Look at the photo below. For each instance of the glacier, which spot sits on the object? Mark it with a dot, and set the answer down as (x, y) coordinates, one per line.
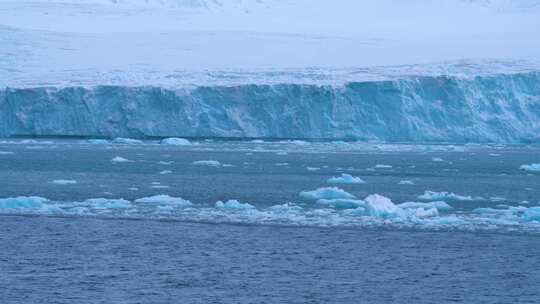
(502, 108)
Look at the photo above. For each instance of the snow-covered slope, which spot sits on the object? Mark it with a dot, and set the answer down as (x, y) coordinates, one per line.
(67, 41)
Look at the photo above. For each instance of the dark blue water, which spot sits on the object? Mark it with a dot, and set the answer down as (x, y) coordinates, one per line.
(140, 253)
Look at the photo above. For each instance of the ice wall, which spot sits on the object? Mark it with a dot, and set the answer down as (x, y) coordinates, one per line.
(499, 108)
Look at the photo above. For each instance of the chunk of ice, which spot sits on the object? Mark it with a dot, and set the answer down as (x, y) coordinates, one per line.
(326, 193)
(345, 179)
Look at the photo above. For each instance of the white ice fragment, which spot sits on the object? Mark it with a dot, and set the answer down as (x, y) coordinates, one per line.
(175, 141)
(211, 163)
(441, 196)
(165, 172)
(326, 193)
(119, 159)
(345, 179)
(165, 200)
(406, 182)
(22, 202)
(440, 205)
(64, 182)
(531, 167)
(126, 141)
(233, 204)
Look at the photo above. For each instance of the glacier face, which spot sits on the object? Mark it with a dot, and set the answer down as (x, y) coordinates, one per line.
(498, 108)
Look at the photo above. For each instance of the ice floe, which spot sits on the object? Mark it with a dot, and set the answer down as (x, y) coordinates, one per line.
(326, 193)
(119, 159)
(531, 167)
(175, 141)
(64, 182)
(126, 141)
(210, 163)
(233, 204)
(450, 196)
(165, 199)
(405, 182)
(345, 179)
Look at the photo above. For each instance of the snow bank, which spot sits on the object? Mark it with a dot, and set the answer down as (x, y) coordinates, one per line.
(326, 193)
(345, 179)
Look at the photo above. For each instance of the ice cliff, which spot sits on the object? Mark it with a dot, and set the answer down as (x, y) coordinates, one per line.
(497, 108)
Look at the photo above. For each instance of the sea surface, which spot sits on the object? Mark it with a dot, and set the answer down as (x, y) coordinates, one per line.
(262, 222)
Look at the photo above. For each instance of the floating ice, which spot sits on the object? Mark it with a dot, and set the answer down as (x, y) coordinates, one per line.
(106, 203)
(63, 182)
(440, 205)
(166, 163)
(341, 203)
(382, 166)
(441, 196)
(284, 208)
(165, 172)
(211, 163)
(405, 182)
(313, 168)
(326, 193)
(166, 200)
(531, 167)
(6, 152)
(23, 202)
(532, 214)
(437, 159)
(379, 206)
(97, 141)
(233, 204)
(426, 213)
(126, 141)
(345, 179)
(119, 159)
(175, 141)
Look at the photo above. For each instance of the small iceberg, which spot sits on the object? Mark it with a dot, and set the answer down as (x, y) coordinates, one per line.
(443, 196)
(531, 167)
(405, 182)
(106, 204)
(119, 159)
(439, 205)
(345, 179)
(532, 215)
(175, 141)
(378, 206)
(165, 200)
(233, 204)
(23, 202)
(326, 193)
(127, 141)
(341, 203)
(63, 182)
(211, 163)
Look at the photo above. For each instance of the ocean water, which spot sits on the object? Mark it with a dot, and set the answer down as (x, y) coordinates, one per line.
(82, 222)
